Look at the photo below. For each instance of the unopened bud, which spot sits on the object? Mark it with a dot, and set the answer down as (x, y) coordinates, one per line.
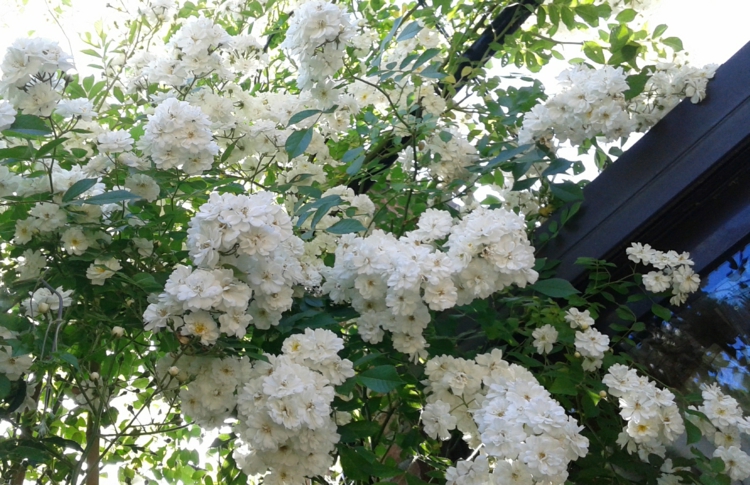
(94, 376)
(173, 371)
(577, 355)
(118, 332)
(602, 394)
(42, 307)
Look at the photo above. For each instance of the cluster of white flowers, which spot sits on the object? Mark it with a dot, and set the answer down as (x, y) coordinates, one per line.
(31, 77)
(252, 234)
(200, 48)
(726, 426)
(503, 408)
(653, 419)
(211, 394)
(674, 271)
(451, 155)
(81, 108)
(394, 282)
(317, 36)
(592, 103)
(284, 409)
(192, 52)
(668, 85)
(590, 342)
(178, 135)
(359, 207)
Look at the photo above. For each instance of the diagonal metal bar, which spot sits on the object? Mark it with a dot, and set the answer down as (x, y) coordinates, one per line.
(507, 22)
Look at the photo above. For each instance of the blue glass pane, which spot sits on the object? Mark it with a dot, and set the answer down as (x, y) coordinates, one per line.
(707, 340)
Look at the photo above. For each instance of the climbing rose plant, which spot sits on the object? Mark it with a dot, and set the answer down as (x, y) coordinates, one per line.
(255, 231)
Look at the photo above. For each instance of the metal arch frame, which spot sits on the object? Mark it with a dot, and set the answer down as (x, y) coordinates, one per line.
(685, 185)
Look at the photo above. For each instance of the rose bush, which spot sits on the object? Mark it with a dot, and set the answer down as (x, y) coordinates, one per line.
(254, 230)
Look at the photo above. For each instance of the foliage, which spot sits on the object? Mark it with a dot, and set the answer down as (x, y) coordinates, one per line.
(252, 205)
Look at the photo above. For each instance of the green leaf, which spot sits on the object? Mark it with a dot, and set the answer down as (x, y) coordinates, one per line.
(637, 83)
(34, 455)
(147, 282)
(70, 359)
(353, 465)
(660, 29)
(16, 153)
(594, 52)
(589, 14)
(360, 464)
(524, 184)
(507, 155)
(382, 379)
(708, 479)
(446, 136)
(322, 205)
(357, 430)
(298, 142)
(4, 386)
(354, 157)
(111, 197)
(409, 32)
(693, 432)
(63, 443)
(563, 385)
(28, 125)
(77, 189)
(661, 312)
(355, 166)
(302, 115)
(673, 42)
(568, 17)
(117, 92)
(567, 191)
(310, 191)
(225, 156)
(346, 226)
(557, 166)
(555, 288)
(432, 72)
(425, 57)
(717, 465)
(47, 148)
(619, 37)
(627, 15)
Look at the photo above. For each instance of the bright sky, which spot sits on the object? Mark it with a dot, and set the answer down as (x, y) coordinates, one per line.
(711, 30)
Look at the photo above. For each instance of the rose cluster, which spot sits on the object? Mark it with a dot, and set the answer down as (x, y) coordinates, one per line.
(284, 409)
(178, 135)
(593, 103)
(674, 271)
(394, 282)
(653, 419)
(253, 235)
(317, 36)
(522, 430)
